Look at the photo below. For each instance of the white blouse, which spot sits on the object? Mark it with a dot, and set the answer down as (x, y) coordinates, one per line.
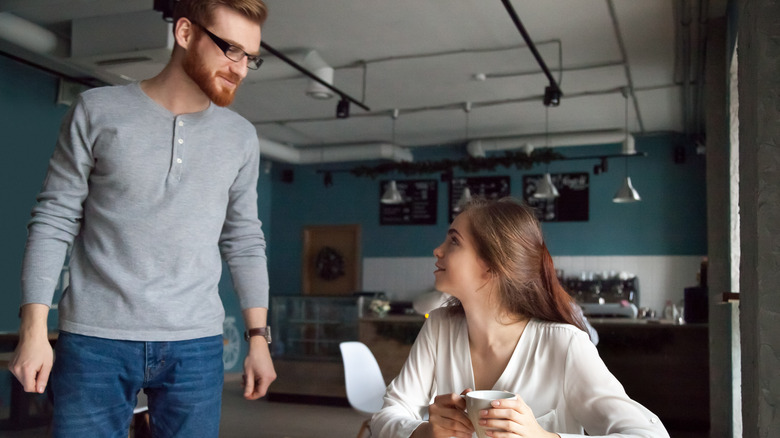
(555, 369)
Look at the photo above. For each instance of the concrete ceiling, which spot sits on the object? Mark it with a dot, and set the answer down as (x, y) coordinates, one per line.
(429, 60)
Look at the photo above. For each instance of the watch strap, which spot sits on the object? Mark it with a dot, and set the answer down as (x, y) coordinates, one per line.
(259, 331)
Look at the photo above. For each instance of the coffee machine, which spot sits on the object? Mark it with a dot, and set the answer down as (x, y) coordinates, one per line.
(606, 294)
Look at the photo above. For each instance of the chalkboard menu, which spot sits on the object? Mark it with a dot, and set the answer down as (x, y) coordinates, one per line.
(490, 187)
(419, 206)
(571, 205)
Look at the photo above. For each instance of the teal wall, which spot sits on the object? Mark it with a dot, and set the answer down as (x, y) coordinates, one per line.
(670, 220)
(29, 122)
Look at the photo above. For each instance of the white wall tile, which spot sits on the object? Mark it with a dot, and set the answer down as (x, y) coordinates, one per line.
(401, 278)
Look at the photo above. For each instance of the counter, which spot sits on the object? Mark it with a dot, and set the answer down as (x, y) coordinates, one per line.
(662, 365)
(390, 338)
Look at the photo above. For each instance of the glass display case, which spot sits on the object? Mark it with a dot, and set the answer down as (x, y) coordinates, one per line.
(311, 328)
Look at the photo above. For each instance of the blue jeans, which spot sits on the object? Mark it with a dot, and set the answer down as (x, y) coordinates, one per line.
(95, 382)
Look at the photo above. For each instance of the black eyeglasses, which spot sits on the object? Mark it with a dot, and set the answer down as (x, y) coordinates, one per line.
(233, 53)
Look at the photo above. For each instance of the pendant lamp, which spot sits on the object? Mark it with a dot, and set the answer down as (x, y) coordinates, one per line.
(626, 192)
(545, 189)
(392, 195)
(465, 198)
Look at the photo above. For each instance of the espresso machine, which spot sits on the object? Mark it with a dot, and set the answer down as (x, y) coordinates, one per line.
(606, 294)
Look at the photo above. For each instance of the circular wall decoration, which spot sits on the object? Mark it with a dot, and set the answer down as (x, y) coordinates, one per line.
(329, 264)
(231, 351)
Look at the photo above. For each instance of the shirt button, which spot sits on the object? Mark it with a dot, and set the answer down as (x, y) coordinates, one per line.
(181, 141)
(181, 123)
(653, 420)
(178, 160)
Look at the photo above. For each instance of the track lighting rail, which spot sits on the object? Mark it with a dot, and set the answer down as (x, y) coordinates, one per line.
(553, 93)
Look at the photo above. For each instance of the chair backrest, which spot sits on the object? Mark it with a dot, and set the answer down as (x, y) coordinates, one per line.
(363, 378)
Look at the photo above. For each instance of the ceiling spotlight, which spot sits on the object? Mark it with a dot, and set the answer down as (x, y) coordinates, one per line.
(342, 109)
(316, 90)
(601, 167)
(552, 96)
(480, 77)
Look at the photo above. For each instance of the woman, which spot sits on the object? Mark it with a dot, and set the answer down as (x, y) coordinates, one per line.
(511, 326)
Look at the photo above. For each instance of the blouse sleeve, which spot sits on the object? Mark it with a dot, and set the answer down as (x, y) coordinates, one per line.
(597, 399)
(409, 395)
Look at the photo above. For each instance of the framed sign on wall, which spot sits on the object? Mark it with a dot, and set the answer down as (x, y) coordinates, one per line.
(419, 206)
(572, 204)
(490, 187)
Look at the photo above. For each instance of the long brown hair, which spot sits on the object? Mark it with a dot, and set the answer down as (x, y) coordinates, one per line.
(508, 238)
(200, 11)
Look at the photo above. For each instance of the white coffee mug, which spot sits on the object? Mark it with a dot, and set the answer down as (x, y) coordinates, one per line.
(479, 400)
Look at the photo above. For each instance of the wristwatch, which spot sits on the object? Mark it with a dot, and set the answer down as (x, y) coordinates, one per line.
(260, 331)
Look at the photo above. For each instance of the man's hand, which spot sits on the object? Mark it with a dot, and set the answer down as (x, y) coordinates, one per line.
(34, 357)
(258, 369)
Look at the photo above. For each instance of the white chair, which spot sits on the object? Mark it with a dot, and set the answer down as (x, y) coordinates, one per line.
(364, 382)
(139, 426)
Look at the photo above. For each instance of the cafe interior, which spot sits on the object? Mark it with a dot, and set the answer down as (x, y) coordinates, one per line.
(644, 134)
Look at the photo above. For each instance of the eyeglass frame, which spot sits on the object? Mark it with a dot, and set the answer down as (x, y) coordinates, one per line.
(225, 47)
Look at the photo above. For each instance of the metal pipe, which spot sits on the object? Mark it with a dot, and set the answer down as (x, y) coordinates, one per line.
(627, 68)
(335, 154)
(568, 69)
(699, 74)
(581, 138)
(447, 106)
(685, 23)
(30, 36)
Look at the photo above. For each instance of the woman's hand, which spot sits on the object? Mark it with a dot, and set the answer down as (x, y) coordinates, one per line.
(512, 418)
(447, 418)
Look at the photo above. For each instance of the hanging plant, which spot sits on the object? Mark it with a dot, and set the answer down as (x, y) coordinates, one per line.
(519, 159)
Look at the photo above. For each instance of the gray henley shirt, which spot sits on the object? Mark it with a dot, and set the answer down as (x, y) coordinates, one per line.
(151, 202)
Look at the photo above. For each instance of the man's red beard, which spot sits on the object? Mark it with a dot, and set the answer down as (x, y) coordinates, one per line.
(209, 82)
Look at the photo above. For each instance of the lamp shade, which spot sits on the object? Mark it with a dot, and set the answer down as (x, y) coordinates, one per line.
(545, 189)
(465, 198)
(318, 91)
(626, 193)
(391, 195)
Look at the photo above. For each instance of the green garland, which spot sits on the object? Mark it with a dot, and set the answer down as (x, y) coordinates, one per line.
(520, 160)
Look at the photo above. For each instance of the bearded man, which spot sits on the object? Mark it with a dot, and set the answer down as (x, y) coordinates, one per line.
(151, 185)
